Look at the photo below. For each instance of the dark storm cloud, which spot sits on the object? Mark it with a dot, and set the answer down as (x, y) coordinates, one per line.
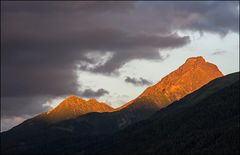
(66, 7)
(15, 110)
(138, 82)
(35, 81)
(20, 106)
(45, 65)
(42, 43)
(196, 16)
(209, 16)
(89, 93)
(9, 122)
(138, 46)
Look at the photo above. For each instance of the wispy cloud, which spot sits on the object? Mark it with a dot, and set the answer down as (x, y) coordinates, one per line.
(89, 93)
(219, 52)
(138, 82)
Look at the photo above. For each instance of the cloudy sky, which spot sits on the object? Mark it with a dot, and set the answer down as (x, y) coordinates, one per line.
(111, 51)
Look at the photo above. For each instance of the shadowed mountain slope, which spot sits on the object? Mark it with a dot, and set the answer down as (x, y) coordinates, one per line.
(204, 122)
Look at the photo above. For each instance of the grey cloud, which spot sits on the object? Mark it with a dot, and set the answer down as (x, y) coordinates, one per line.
(208, 16)
(89, 93)
(139, 46)
(32, 81)
(21, 106)
(45, 66)
(218, 52)
(194, 16)
(9, 122)
(66, 7)
(138, 82)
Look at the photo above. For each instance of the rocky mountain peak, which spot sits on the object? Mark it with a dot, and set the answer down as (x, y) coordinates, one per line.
(190, 76)
(74, 106)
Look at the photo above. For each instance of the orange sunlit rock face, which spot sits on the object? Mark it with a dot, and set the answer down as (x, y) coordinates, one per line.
(192, 75)
(74, 106)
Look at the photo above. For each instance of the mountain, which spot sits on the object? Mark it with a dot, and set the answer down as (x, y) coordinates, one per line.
(190, 76)
(204, 122)
(73, 107)
(30, 135)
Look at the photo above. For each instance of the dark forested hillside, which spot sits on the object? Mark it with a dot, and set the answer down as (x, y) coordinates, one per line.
(206, 121)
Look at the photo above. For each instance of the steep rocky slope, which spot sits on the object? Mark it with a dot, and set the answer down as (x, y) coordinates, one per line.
(73, 107)
(190, 76)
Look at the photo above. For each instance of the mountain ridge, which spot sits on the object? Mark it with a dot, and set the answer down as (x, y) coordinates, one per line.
(74, 106)
(195, 70)
(163, 88)
(172, 87)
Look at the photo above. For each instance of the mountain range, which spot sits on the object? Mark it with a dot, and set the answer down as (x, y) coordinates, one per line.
(194, 101)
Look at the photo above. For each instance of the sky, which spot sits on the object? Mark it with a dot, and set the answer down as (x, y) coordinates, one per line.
(111, 51)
